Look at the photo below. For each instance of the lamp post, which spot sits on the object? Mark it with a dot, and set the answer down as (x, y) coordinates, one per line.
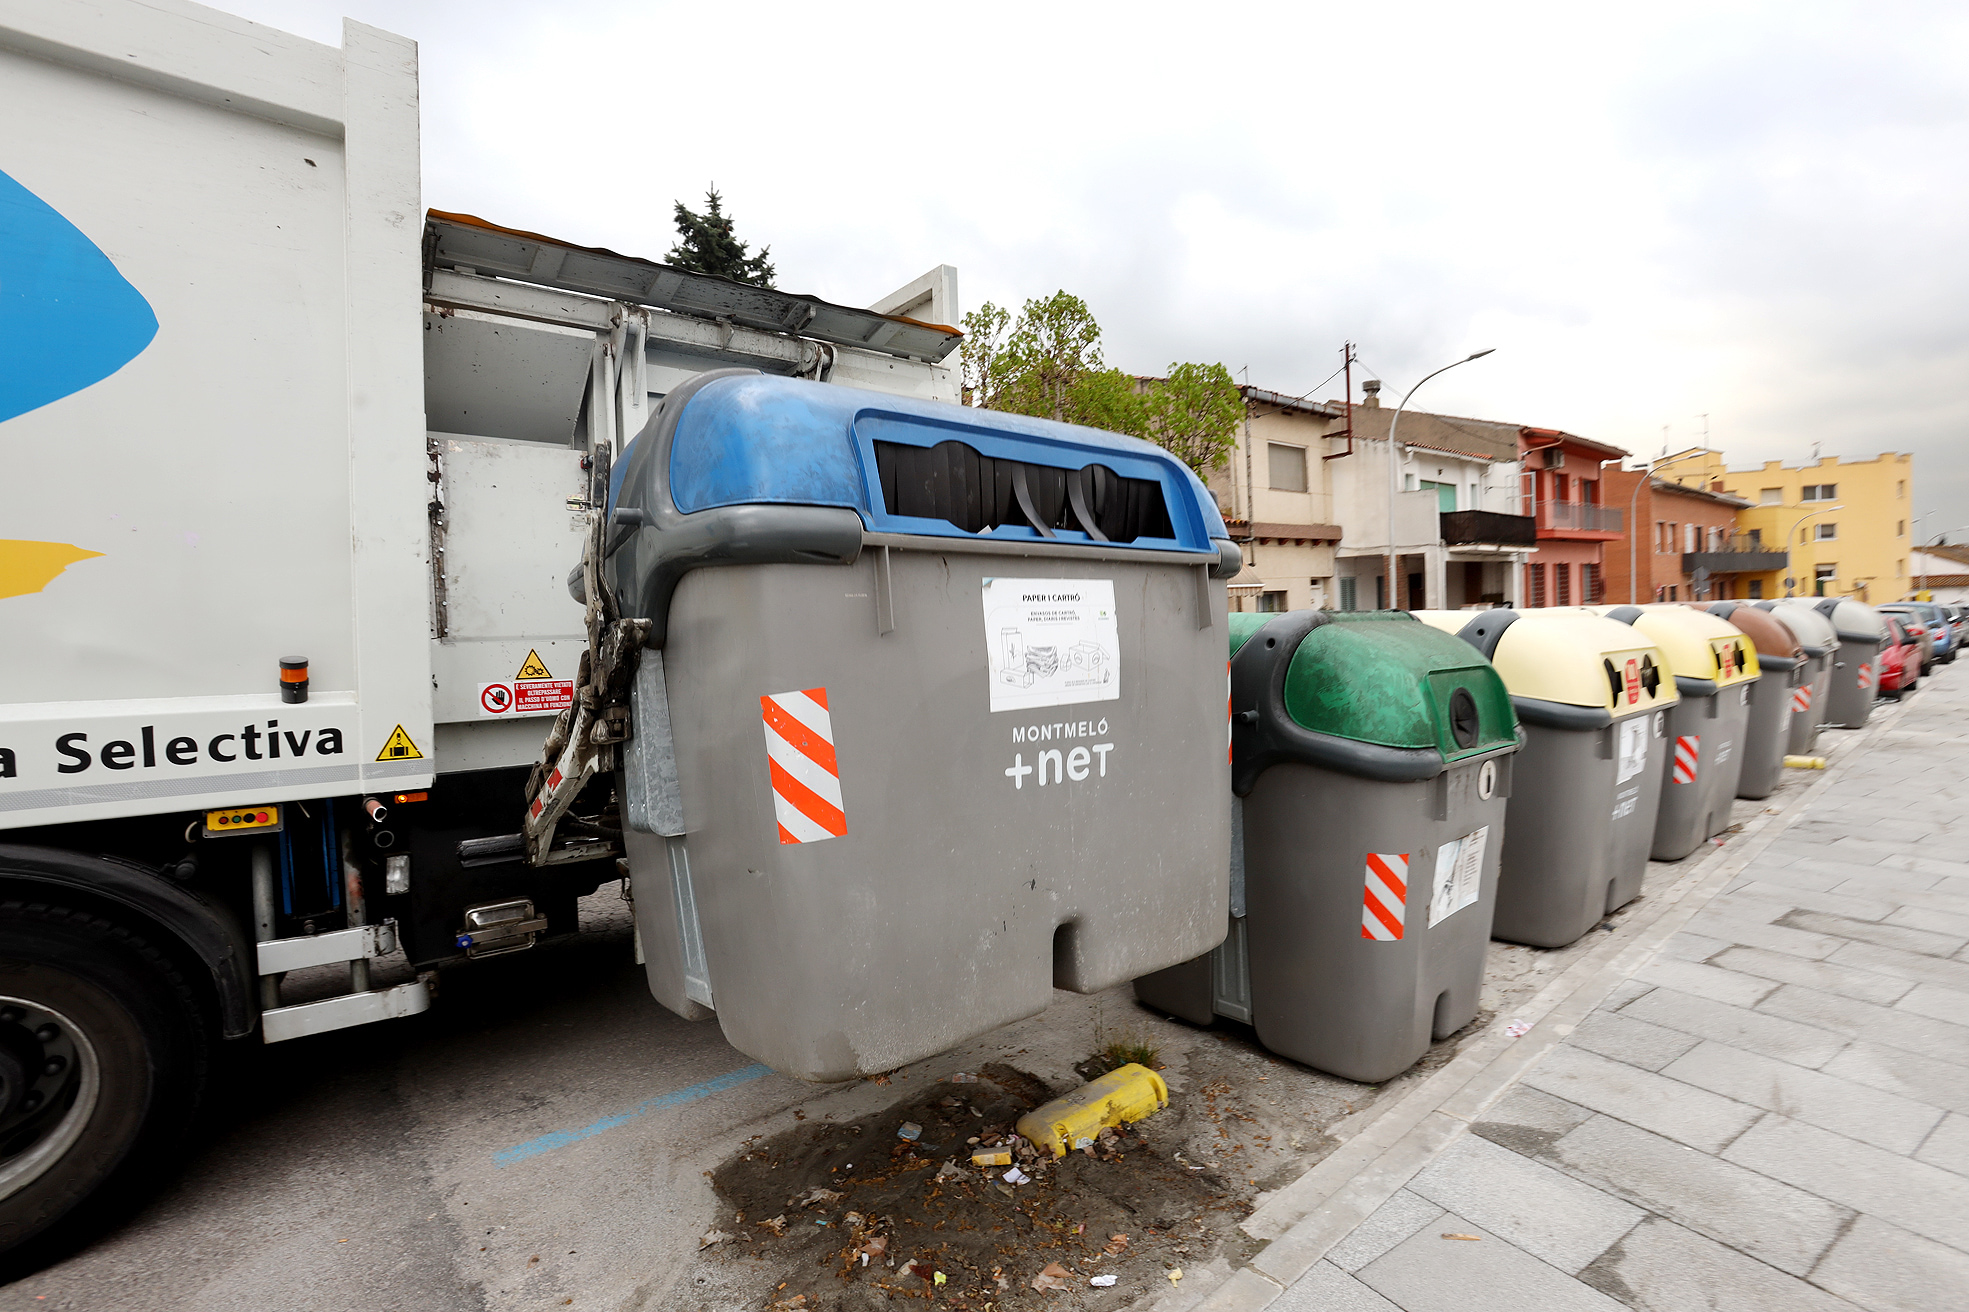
(1394, 468)
(1633, 533)
(1791, 576)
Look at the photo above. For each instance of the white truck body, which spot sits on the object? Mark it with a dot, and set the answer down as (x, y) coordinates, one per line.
(336, 444)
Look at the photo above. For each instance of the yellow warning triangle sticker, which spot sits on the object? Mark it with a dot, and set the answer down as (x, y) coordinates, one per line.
(533, 667)
(399, 748)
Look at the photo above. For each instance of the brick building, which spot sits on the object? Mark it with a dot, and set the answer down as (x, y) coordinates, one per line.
(1683, 545)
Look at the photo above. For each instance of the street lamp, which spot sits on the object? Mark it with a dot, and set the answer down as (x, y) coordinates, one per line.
(1394, 468)
(1633, 532)
(1791, 575)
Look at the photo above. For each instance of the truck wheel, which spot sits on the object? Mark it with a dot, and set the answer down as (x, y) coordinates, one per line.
(103, 1054)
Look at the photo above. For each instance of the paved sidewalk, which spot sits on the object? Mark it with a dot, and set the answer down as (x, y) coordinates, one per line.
(1772, 1113)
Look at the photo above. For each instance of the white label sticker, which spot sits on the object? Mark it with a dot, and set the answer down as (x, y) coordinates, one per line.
(1459, 875)
(1051, 642)
(1633, 756)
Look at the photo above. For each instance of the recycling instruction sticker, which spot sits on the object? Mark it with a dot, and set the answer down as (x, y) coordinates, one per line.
(1051, 642)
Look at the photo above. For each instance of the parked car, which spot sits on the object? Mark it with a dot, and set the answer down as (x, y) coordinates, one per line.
(1900, 661)
(1932, 618)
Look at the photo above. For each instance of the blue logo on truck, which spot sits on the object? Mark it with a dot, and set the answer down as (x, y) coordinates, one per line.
(68, 319)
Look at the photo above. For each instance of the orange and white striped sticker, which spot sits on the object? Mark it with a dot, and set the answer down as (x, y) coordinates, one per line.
(1801, 699)
(1866, 676)
(1688, 750)
(1384, 903)
(800, 756)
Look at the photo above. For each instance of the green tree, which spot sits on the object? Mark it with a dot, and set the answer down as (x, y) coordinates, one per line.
(1194, 414)
(1047, 362)
(706, 244)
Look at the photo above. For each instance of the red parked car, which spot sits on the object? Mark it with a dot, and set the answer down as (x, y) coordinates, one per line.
(1900, 661)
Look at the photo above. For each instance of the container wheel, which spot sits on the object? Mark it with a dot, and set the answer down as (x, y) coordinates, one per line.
(103, 1056)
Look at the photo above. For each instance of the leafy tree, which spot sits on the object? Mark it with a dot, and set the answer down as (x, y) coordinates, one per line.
(1047, 363)
(1194, 414)
(706, 244)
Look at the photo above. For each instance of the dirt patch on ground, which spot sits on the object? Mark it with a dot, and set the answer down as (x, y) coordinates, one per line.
(838, 1217)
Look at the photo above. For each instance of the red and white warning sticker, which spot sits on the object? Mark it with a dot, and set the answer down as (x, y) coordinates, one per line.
(1384, 902)
(1801, 699)
(806, 778)
(533, 691)
(1688, 752)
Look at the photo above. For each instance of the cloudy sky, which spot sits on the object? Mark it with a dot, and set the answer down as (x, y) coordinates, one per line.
(1757, 213)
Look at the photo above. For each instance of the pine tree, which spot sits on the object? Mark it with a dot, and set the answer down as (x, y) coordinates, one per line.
(706, 245)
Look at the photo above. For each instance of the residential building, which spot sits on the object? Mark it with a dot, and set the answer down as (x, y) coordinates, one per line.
(1844, 524)
(1563, 492)
(1683, 543)
(1459, 538)
(1276, 497)
(1939, 573)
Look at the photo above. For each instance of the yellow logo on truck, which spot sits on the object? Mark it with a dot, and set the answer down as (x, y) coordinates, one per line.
(27, 567)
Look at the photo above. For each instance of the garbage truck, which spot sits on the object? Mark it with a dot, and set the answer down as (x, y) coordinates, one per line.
(296, 474)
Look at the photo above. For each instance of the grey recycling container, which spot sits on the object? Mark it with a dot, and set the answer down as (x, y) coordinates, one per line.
(1703, 734)
(1856, 665)
(1371, 763)
(1586, 787)
(1781, 670)
(1817, 643)
(931, 721)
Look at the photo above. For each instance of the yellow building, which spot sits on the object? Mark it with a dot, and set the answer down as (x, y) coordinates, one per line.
(1844, 523)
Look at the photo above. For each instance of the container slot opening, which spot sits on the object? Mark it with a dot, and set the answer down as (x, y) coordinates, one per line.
(951, 481)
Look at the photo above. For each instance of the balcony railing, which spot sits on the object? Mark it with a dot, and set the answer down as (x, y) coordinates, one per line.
(1579, 515)
(1739, 557)
(1487, 527)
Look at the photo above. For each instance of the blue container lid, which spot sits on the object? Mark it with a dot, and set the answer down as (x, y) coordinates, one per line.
(758, 439)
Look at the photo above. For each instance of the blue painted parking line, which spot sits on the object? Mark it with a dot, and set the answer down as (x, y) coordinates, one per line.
(663, 1101)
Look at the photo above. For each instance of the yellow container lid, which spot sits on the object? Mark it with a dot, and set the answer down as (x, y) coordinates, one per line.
(1698, 645)
(1569, 656)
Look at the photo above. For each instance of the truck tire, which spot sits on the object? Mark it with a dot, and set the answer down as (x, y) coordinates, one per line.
(103, 1056)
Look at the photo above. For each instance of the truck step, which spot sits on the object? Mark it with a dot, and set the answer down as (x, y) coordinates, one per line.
(357, 943)
(306, 1018)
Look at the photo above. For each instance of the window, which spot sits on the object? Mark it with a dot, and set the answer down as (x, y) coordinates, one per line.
(1689, 539)
(1562, 584)
(1661, 536)
(1900, 489)
(1271, 603)
(1671, 592)
(1288, 467)
(1445, 494)
(1592, 589)
(1537, 575)
(1756, 589)
(1900, 528)
(1589, 491)
(1771, 496)
(1823, 575)
(1559, 487)
(1756, 537)
(1349, 592)
(1820, 492)
(1826, 532)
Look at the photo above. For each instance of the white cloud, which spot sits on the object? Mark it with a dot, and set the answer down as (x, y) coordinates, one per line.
(1751, 211)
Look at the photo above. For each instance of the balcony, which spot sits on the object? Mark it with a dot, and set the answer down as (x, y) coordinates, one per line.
(1488, 528)
(1578, 517)
(1735, 558)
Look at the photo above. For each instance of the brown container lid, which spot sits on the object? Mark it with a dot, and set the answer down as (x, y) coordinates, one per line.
(1771, 637)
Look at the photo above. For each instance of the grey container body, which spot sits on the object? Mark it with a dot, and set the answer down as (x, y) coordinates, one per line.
(1855, 682)
(1802, 734)
(1323, 994)
(1767, 729)
(979, 870)
(1317, 990)
(1698, 810)
(1579, 828)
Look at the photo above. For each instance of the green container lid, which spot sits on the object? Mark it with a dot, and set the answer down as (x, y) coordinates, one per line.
(1244, 623)
(1381, 677)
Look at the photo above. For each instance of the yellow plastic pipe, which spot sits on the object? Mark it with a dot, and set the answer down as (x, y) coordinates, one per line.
(1126, 1093)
